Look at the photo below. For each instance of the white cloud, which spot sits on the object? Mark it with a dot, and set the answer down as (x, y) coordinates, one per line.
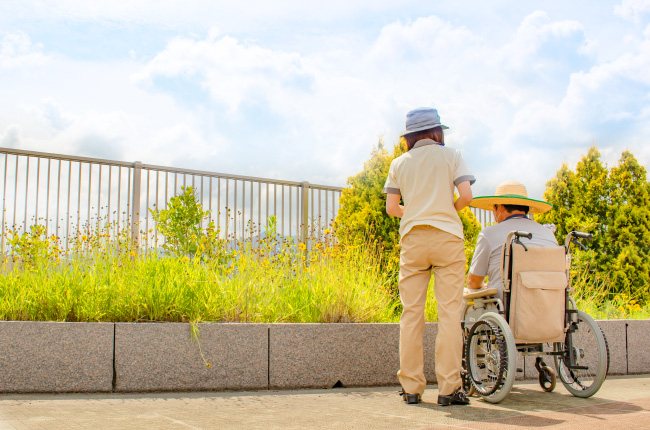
(230, 71)
(518, 106)
(231, 15)
(11, 138)
(632, 9)
(17, 50)
(424, 39)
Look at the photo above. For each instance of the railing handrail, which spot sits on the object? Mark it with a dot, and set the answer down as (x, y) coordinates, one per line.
(108, 162)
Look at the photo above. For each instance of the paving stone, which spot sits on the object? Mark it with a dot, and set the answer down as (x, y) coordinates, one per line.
(324, 355)
(638, 347)
(165, 357)
(55, 357)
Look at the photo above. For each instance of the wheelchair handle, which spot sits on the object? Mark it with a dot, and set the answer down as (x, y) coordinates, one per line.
(573, 237)
(581, 235)
(521, 233)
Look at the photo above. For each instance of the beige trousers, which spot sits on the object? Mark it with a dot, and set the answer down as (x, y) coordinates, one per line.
(424, 249)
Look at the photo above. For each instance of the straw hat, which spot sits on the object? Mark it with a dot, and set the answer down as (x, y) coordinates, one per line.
(511, 193)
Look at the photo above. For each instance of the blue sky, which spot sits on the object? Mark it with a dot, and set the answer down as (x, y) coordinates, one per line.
(291, 90)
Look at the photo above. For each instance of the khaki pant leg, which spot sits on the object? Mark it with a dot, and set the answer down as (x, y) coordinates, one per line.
(449, 273)
(414, 276)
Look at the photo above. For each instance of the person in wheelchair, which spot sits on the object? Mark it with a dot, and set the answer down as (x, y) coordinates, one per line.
(527, 306)
(510, 206)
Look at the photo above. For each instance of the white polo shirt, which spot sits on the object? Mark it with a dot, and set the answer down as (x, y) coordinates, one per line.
(487, 254)
(426, 176)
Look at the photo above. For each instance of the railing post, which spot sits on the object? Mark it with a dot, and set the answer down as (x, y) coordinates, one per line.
(304, 211)
(135, 202)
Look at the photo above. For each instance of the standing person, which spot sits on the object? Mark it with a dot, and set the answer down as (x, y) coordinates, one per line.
(431, 239)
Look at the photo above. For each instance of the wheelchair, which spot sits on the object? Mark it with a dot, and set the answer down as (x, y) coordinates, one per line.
(537, 317)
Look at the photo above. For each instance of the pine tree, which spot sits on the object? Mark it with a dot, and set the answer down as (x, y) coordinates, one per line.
(626, 249)
(613, 206)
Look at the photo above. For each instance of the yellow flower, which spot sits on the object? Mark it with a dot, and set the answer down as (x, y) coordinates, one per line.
(617, 297)
(84, 238)
(186, 258)
(208, 364)
(302, 246)
(133, 254)
(327, 231)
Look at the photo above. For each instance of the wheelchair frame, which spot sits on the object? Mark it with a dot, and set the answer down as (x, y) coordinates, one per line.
(490, 351)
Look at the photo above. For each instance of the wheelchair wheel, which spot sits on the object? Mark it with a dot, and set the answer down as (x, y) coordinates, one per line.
(490, 356)
(588, 347)
(547, 379)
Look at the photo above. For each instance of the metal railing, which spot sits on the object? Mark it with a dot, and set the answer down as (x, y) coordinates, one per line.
(483, 217)
(66, 193)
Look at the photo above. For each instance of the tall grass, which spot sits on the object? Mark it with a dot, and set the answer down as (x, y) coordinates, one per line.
(106, 279)
(103, 277)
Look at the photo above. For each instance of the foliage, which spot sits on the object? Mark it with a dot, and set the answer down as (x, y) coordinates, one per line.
(613, 205)
(276, 282)
(363, 206)
(181, 225)
(34, 247)
(181, 222)
(363, 203)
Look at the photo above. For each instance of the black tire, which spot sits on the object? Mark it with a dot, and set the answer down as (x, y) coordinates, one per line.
(490, 356)
(547, 379)
(591, 351)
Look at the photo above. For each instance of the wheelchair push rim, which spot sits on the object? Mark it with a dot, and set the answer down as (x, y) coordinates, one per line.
(584, 377)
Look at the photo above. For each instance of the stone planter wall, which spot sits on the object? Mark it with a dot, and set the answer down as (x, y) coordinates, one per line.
(131, 357)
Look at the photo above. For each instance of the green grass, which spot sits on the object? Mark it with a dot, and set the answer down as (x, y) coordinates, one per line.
(105, 279)
(342, 285)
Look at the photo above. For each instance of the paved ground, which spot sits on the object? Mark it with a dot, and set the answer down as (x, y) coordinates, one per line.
(622, 403)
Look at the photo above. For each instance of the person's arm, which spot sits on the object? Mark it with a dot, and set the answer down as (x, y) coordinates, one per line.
(464, 195)
(393, 208)
(475, 282)
(480, 263)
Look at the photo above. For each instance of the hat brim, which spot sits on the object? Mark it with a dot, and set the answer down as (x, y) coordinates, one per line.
(426, 127)
(488, 202)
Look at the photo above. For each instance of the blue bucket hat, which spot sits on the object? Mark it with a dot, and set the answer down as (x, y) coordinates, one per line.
(422, 119)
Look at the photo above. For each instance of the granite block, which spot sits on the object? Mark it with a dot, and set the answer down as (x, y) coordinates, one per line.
(56, 357)
(615, 334)
(165, 357)
(638, 347)
(328, 355)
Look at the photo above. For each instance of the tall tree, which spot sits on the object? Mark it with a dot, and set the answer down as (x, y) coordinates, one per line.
(627, 245)
(613, 206)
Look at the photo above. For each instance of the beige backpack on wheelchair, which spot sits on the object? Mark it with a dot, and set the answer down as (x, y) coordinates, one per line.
(538, 282)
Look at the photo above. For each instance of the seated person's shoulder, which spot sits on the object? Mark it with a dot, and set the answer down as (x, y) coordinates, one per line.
(544, 233)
